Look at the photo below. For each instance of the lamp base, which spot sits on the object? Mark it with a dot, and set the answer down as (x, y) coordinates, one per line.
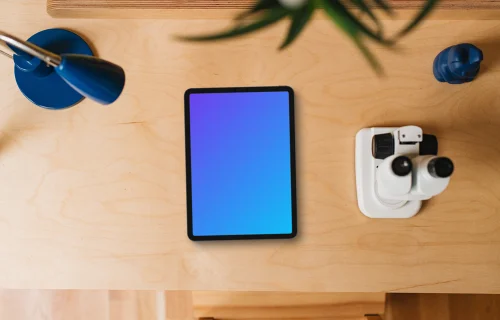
(43, 86)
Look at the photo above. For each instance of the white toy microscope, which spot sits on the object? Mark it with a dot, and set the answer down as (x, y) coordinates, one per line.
(397, 168)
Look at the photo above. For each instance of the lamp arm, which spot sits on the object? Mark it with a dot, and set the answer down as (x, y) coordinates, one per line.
(48, 57)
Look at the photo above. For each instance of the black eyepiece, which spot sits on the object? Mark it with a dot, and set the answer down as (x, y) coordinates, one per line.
(440, 167)
(382, 145)
(401, 166)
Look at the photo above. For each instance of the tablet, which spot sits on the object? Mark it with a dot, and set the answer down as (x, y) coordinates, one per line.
(240, 163)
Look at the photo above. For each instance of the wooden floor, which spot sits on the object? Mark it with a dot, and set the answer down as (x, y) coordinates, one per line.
(443, 307)
(77, 305)
(150, 305)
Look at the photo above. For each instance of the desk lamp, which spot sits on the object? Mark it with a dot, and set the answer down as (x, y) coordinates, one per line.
(56, 69)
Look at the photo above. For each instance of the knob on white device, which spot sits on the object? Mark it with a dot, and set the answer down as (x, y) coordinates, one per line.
(397, 168)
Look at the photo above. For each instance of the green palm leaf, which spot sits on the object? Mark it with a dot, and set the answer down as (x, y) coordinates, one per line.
(351, 29)
(300, 18)
(429, 5)
(268, 12)
(385, 6)
(260, 6)
(337, 6)
(366, 9)
(270, 17)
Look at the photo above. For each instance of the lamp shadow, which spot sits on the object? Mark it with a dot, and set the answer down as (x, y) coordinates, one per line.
(6, 139)
(86, 39)
(11, 132)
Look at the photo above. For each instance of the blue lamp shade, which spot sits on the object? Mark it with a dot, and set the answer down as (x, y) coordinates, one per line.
(94, 78)
(56, 69)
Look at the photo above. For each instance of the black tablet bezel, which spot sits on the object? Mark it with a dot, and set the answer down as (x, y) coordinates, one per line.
(188, 162)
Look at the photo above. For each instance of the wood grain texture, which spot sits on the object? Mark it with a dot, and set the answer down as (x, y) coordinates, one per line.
(131, 305)
(281, 305)
(479, 9)
(77, 305)
(179, 305)
(442, 307)
(184, 305)
(246, 4)
(93, 197)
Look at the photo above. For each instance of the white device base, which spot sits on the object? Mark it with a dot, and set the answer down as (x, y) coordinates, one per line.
(366, 165)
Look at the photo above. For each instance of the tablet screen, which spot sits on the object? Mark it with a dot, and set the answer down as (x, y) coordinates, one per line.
(240, 159)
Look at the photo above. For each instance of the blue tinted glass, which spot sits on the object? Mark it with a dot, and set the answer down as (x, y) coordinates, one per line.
(241, 180)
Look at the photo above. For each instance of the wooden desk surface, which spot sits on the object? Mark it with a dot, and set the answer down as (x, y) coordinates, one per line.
(94, 197)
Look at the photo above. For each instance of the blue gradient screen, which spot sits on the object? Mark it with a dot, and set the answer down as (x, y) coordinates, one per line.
(241, 175)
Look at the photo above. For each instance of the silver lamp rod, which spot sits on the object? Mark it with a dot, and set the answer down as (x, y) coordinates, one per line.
(48, 57)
